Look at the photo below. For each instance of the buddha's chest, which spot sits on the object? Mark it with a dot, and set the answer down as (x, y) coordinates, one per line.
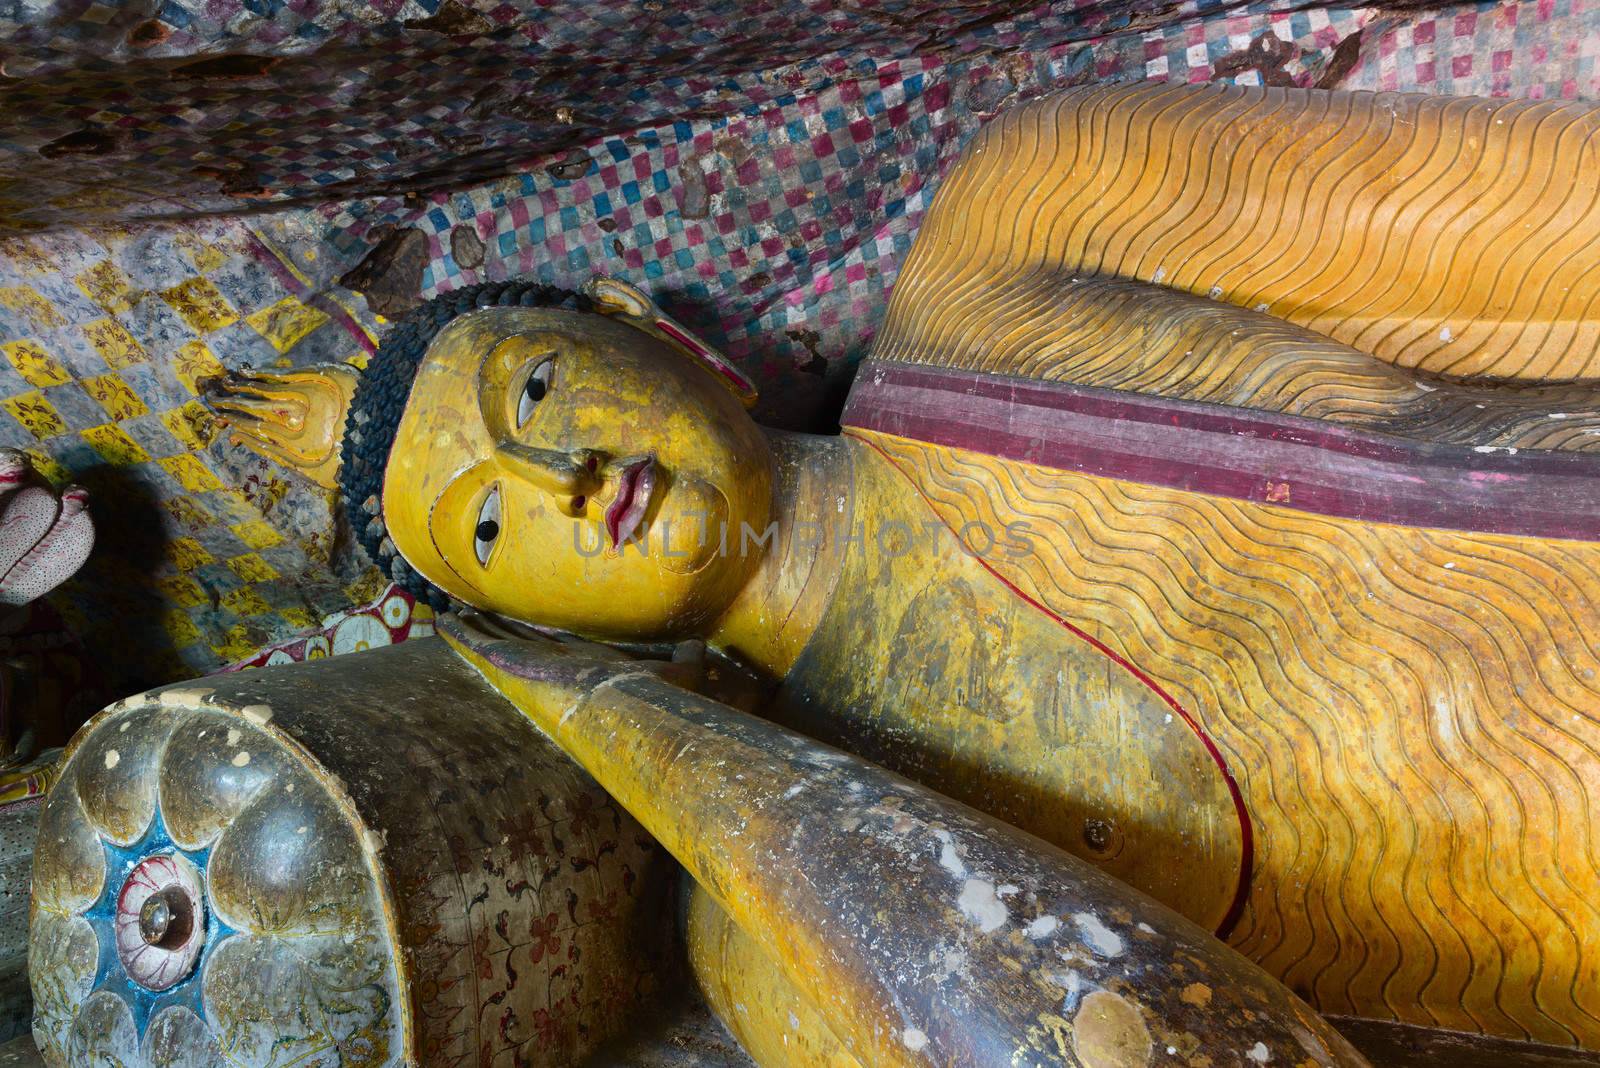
(928, 662)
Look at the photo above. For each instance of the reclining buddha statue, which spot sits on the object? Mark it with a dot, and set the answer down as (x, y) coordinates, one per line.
(1215, 507)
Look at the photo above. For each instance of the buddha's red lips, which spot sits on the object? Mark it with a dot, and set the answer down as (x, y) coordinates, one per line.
(634, 490)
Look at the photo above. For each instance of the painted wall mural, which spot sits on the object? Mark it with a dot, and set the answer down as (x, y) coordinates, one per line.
(1339, 604)
(766, 199)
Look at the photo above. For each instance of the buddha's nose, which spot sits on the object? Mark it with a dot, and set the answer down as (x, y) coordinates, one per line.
(565, 473)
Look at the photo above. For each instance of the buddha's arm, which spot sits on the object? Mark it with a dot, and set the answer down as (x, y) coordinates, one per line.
(1114, 333)
(924, 932)
(1454, 235)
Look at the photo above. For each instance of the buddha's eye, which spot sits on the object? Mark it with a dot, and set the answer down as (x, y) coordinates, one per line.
(487, 528)
(533, 391)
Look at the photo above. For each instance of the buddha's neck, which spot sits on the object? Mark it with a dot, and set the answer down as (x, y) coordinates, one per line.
(771, 620)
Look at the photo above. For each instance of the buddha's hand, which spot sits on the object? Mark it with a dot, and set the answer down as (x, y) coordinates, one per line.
(44, 536)
(293, 417)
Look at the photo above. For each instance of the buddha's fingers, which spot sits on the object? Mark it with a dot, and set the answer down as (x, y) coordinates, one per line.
(269, 438)
(278, 452)
(295, 419)
(257, 435)
(290, 390)
(302, 383)
(287, 417)
(285, 388)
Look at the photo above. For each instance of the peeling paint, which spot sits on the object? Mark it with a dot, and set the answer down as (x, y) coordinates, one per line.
(1097, 936)
(260, 715)
(949, 859)
(1043, 927)
(979, 903)
(184, 696)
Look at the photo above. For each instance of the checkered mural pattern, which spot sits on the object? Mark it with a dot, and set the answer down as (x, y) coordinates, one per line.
(1539, 50)
(223, 105)
(116, 111)
(203, 553)
(778, 233)
(770, 209)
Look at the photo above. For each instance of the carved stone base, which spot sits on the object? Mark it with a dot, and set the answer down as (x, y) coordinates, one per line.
(372, 857)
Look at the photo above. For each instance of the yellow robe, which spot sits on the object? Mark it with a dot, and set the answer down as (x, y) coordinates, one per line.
(1405, 692)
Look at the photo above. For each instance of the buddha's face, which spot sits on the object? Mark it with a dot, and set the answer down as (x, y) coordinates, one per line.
(567, 470)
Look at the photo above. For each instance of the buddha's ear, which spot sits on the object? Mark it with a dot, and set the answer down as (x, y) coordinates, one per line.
(623, 301)
(295, 418)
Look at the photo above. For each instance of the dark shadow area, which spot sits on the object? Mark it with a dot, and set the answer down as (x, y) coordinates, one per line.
(113, 603)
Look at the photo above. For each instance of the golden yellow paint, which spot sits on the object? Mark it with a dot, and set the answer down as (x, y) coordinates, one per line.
(20, 300)
(20, 783)
(1111, 333)
(116, 446)
(201, 304)
(1108, 1032)
(286, 322)
(714, 788)
(34, 364)
(727, 852)
(115, 396)
(182, 590)
(367, 587)
(192, 425)
(180, 628)
(115, 345)
(473, 449)
(36, 414)
(298, 618)
(192, 475)
(923, 661)
(239, 642)
(1453, 235)
(252, 568)
(108, 287)
(205, 258)
(188, 512)
(257, 534)
(1009, 710)
(187, 554)
(192, 362)
(773, 1022)
(245, 601)
(1411, 714)
(47, 466)
(305, 407)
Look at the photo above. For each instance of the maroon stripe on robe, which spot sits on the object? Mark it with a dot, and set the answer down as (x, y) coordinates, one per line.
(1290, 461)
